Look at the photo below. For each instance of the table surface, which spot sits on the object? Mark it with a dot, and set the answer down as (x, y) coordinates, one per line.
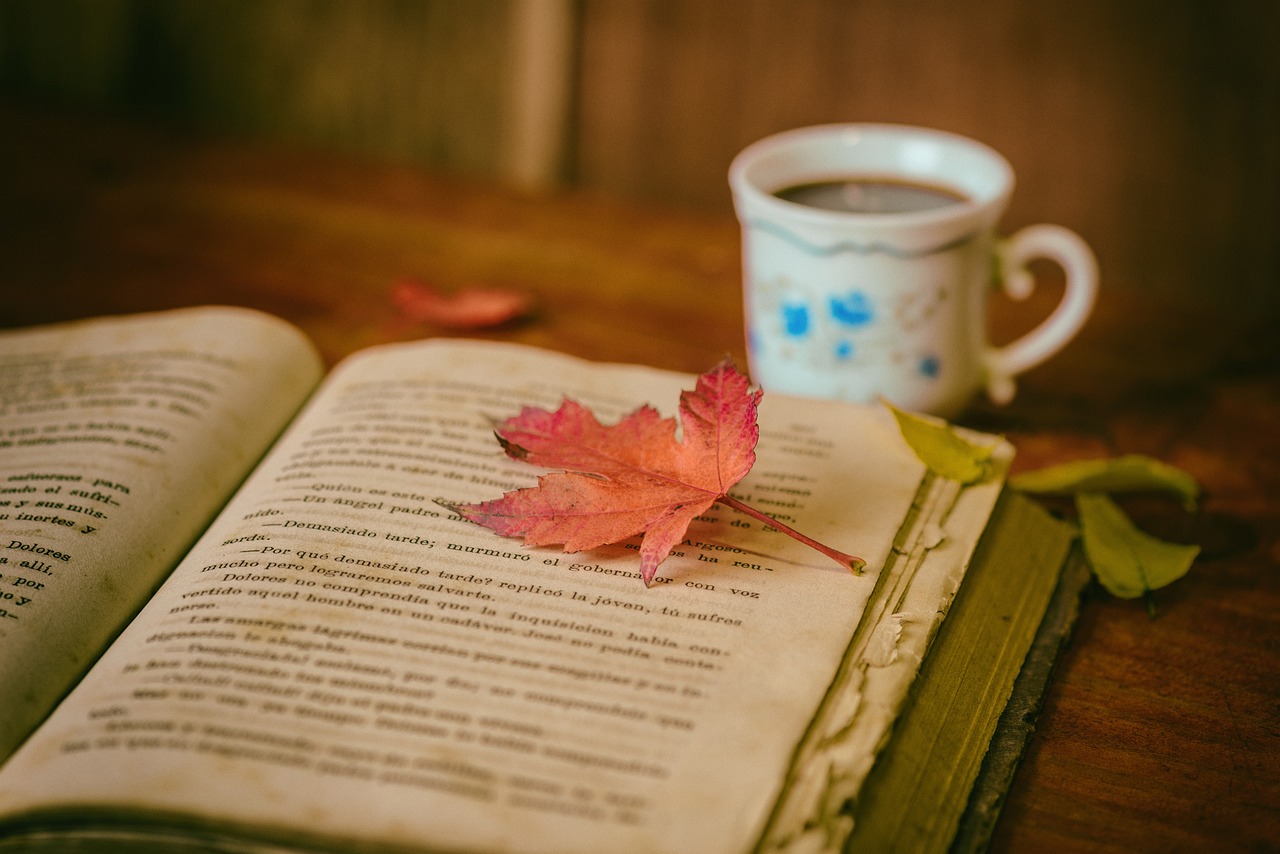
(1158, 734)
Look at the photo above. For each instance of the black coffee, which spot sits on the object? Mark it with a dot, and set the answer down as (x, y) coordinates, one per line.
(871, 195)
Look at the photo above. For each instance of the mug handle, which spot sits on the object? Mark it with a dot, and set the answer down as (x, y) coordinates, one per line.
(1069, 251)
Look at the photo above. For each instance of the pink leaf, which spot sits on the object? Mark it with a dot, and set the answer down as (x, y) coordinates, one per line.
(469, 308)
(628, 478)
(636, 476)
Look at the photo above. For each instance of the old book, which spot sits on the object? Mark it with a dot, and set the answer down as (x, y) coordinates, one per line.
(236, 615)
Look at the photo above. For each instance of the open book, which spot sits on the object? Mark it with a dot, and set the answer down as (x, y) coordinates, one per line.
(234, 613)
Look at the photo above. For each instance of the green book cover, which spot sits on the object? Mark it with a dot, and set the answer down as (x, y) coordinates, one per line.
(941, 781)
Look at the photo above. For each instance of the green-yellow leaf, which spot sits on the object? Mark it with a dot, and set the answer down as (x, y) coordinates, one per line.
(942, 449)
(1127, 561)
(1131, 473)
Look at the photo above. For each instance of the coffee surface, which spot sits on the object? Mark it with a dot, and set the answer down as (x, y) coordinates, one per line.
(871, 195)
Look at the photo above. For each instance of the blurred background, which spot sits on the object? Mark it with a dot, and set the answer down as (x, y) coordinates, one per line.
(1152, 127)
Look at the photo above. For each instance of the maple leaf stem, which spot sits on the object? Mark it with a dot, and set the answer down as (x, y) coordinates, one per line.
(846, 560)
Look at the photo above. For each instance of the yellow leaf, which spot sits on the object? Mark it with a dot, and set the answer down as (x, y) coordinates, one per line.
(942, 449)
(1127, 561)
(1131, 473)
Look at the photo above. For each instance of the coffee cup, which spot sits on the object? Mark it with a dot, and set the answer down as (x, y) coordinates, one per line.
(869, 251)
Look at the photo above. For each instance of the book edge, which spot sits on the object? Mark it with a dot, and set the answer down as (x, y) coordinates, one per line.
(1021, 714)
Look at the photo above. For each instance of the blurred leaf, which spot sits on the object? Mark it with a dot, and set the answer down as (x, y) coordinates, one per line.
(470, 308)
(942, 449)
(1128, 562)
(1131, 473)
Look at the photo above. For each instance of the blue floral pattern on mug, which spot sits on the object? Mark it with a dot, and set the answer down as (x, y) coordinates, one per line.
(853, 309)
(795, 319)
(850, 327)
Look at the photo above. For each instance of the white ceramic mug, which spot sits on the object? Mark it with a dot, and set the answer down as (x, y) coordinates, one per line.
(857, 305)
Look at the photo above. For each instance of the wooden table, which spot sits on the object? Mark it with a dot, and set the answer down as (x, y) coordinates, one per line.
(1158, 734)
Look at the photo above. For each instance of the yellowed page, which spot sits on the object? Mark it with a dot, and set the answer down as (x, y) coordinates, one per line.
(119, 440)
(341, 657)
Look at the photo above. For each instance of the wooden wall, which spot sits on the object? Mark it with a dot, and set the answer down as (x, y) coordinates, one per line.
(417, 80)
(1150, 126)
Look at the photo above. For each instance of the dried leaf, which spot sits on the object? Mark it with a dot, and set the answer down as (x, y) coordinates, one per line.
(1131, 473)
(627, 478)
(1128, 562)
(469, 308)
(942, 449)
(634, 476)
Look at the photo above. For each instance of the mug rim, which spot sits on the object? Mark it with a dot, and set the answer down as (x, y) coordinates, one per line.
(746, 186)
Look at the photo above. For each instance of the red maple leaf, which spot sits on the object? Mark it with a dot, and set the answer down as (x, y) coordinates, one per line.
(632, 477)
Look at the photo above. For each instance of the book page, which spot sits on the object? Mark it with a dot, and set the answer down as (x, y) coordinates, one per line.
(342, 657)
(119, 440)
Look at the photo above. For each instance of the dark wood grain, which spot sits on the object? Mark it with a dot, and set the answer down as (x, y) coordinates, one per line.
(1158, 734)
(1149, 126)
(424, 81)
